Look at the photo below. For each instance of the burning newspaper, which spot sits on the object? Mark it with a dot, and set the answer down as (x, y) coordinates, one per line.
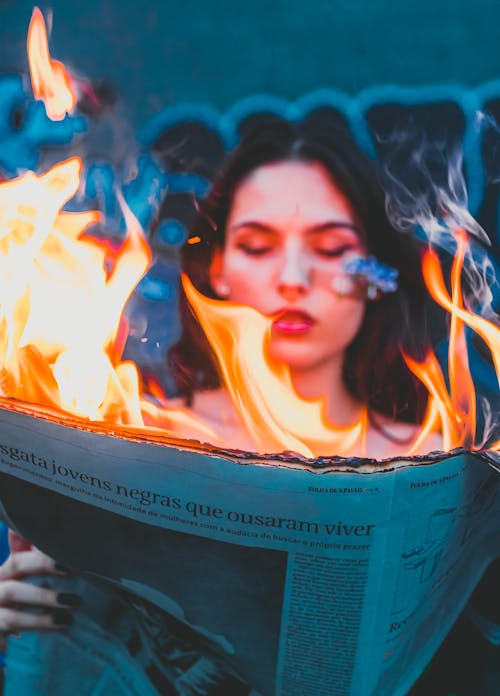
(271, 566)
(293, 577)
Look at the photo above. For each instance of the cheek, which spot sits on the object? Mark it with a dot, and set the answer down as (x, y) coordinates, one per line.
(343, 319)
(357, 316)
(249, 282)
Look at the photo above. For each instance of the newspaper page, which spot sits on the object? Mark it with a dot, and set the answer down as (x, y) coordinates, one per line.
(301, 580)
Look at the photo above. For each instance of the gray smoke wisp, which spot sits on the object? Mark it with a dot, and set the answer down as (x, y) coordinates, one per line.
(432, 202)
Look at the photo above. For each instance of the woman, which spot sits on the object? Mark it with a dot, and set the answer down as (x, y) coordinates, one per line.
(295, 204)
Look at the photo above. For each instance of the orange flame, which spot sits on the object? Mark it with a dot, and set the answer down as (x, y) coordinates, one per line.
(61, 334)
(454, 410)
(57, 296)
(261, 389)
(489, 332)
(49, 78)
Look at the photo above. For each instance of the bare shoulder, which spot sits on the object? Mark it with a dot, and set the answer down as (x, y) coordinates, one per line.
(176, 402)
(211, 406)
(214, 405)
(203, 403)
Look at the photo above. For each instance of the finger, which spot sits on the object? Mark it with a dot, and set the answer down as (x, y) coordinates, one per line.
(12, 621)
(23, 563)
(15, 592)
(17, 542)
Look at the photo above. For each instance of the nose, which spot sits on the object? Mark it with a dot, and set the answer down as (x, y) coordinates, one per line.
(293, 280)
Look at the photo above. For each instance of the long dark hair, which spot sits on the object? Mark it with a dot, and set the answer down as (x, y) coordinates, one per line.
(374, 370)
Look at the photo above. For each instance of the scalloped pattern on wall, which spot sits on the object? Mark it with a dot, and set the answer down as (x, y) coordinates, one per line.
(191, 139)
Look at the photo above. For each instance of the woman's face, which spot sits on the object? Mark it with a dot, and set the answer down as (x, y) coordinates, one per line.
(288, 232)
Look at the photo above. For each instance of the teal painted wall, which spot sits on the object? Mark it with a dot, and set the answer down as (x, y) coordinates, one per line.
(218, 51)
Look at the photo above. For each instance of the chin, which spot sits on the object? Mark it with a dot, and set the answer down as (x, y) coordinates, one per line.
(298, 356)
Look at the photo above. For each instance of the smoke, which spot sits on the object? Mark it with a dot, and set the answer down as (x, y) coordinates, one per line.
(421, 200)
(489, 425)
(490, 131)
(426, 194)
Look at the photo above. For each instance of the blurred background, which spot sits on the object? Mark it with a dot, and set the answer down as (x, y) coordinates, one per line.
(160, 53)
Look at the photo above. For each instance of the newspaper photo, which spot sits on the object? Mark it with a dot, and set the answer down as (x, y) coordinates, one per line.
(297, 578)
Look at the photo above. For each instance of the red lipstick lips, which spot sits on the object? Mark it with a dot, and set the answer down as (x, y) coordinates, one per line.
(293, 322)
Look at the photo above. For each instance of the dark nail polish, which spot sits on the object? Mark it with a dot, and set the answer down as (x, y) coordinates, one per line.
(62, 568)
(61, 617)
(68, 598)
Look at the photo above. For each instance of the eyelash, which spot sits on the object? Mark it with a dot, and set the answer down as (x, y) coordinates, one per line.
(328, 253)
(334, 253)
(254, 251)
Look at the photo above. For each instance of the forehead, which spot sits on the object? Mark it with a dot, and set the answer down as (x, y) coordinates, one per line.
(290, 190)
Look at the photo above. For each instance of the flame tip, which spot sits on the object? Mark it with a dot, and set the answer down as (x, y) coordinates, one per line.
(50, 80)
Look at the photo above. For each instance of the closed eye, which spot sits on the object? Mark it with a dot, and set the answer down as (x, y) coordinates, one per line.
(254, 250)
(334, 252)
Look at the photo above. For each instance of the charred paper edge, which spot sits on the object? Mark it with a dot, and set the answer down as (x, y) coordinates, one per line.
(292, 460)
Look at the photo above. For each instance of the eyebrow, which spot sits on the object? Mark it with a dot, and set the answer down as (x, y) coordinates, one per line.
(313, 229)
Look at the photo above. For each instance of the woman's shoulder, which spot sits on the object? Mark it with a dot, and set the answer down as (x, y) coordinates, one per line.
(212, 405)
(213, 409)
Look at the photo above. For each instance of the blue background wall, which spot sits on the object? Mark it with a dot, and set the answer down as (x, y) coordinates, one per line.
(218, 51)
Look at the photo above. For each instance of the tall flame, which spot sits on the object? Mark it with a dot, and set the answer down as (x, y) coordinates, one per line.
(453, 410)
(261, 389)
(59, 309)
(49, 78)
(61, 333)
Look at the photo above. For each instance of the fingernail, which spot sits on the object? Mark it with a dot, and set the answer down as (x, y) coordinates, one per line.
(61, 617)
(62, 568)
(68, 598)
